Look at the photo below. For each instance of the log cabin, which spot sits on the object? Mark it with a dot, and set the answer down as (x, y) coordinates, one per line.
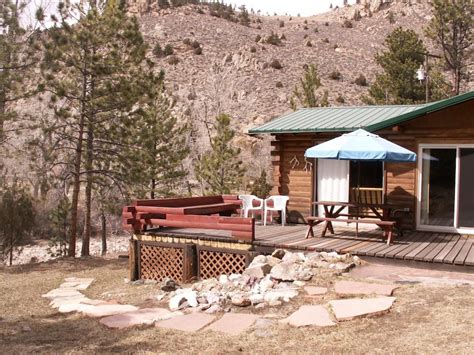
(435, 194)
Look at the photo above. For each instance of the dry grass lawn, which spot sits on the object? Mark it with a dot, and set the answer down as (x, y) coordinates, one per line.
(423, 320)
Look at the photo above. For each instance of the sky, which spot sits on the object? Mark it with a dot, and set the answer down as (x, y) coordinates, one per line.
(291, 7)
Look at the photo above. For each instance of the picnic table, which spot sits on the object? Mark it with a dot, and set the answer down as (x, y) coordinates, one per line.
(381, 214)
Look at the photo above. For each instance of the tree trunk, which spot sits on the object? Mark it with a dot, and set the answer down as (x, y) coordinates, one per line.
(2, 114)
(11, 250)
(88, 165)
(457, 81)
(152, 192)
(103, 232)
(77, 169)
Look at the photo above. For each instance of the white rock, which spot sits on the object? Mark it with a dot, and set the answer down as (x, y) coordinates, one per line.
(214, 309)
(176, 301)
(240, 300)
(258, 270)
(290, 257)
(266, 284)
(212, 297)
(234, 277)
(223, 279)
(277, 295)
(299, 283)
(272, 261)
(259, 259)
(289, 271)
(256, 298)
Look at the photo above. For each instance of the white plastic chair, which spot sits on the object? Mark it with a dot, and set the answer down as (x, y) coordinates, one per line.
(247, 205)
(279, 204)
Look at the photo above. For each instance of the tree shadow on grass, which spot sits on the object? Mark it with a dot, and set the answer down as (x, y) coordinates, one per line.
(67, 265)
(61, 334)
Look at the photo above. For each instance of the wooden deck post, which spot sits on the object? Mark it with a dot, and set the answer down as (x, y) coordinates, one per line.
(189, 263)
(133, 260)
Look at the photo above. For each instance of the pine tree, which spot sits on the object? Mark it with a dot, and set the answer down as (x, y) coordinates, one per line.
(261, 188)
(159, 148)
(306, 94)
(219, 169)
(244, 17)
(94, 72)
(18, 54)
(451, 30)
(397, 84)
(16, 216)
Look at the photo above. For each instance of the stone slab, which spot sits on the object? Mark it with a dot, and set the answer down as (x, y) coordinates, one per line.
(59, 301)
(187, 323)
(82, 305)
(74, 307)
(62, 292)
(355, 307)
(309, 315)
(315, 290)
(141, 316)
(106, 309)
(363, 288)
(233, 323)
(401, 273)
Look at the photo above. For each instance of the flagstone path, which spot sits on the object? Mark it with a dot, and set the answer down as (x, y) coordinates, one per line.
(69, 298)
(363, 288)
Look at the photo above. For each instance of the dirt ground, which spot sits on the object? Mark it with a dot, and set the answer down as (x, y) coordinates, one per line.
(424, 319)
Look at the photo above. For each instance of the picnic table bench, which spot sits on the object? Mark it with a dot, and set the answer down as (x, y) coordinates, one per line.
(334, 210)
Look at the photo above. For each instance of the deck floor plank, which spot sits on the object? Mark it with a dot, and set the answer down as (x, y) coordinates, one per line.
(449, 259)
(355, 247)
(397, 246)
(414, 245)
(437, 247)
(470, 257)
(440, 238)
(446, 249)
(463, 253)
(421, 246)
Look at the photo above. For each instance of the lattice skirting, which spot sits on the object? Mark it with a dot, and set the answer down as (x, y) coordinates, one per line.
(161, 260)
(213, 262)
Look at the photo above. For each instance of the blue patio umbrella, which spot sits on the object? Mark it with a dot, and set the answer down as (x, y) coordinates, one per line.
(360, 145)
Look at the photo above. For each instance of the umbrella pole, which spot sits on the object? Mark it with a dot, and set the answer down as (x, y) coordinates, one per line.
(358, 197)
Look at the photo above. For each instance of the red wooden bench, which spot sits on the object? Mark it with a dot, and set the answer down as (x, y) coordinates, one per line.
(206, 212)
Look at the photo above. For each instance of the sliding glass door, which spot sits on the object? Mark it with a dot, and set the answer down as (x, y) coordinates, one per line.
(466, 188)
(446, 194)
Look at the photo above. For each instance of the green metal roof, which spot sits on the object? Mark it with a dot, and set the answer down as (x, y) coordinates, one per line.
(349, 118)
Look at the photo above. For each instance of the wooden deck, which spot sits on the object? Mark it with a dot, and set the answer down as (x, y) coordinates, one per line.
(442, 248)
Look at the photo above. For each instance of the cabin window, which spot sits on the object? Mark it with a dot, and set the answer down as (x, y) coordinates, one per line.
(370, 180)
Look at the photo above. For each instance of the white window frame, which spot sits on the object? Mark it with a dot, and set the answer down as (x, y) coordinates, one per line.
(430, 228)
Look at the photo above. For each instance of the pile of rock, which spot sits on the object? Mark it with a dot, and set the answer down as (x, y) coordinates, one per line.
(268, 281)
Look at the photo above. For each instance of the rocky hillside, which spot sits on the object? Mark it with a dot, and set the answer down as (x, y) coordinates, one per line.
(235, 74)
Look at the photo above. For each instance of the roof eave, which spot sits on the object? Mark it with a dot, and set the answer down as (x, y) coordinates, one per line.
(421, 111)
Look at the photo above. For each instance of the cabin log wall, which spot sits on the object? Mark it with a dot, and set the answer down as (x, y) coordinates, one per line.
(451, 125)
